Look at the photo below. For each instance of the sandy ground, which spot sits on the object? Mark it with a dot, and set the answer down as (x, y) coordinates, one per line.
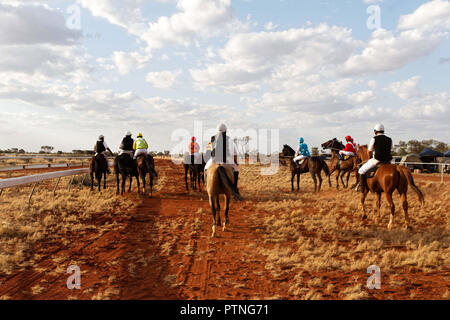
(162, 249)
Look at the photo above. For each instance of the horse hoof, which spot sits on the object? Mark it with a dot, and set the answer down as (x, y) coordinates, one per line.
(224, 228)
(364, 217)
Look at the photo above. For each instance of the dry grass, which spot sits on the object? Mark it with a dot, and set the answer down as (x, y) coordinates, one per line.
(50, 219)
(324, 232)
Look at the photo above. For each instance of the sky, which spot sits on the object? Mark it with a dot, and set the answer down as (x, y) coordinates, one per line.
(72, 70)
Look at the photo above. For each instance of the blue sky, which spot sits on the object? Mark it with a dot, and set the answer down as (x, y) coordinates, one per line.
(306, 68)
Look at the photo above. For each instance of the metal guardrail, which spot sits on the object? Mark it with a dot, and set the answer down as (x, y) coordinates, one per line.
(39, 166)
(34, 179)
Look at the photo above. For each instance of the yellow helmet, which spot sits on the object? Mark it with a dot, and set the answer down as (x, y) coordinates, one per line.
(139, 135)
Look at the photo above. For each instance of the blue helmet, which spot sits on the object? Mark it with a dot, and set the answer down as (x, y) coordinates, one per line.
(301, 140)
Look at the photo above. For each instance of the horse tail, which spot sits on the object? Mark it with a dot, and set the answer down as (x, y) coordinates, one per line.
(150, 166)
(416, 189)
(227, 183)
(324, 166)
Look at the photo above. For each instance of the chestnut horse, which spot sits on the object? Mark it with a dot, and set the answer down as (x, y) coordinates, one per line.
(146, 165)
(220, 180)
(344, 166)
(313, 165)
(387, 179)
(99, 166)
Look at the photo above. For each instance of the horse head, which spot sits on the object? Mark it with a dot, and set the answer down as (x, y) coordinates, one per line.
(288, 151)
(363, 153)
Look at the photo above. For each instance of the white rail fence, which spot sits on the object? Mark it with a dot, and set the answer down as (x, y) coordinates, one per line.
(39, 166)
(35, 179)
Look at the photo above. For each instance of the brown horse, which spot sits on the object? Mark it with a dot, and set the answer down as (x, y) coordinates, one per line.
(220, 180)
(342, 167)
(146, 165)
(313, 165)
(387, 179)
(196, 173)
(98, 166)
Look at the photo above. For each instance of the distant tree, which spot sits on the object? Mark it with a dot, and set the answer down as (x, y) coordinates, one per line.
(22, 151)
(60, 152)
(416, 146)
(243, 144)
(166, 153)
(47, 149)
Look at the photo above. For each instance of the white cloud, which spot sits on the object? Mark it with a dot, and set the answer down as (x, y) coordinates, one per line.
(406, 89)
(163, 79)
(128, 61)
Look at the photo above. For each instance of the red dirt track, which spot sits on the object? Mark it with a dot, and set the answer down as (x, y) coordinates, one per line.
(163, 250)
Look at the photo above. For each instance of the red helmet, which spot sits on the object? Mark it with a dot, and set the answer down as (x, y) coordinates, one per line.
(348, 138)
(193, 139)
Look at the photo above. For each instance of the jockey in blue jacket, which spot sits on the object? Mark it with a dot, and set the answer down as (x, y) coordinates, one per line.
(302, 151)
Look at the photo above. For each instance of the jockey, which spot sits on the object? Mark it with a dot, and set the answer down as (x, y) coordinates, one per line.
(224, 153)
(101, 147)
(350, 148)
(126, 146)
(381, 147)
(302, 151)
(194, 149)
(140, 146)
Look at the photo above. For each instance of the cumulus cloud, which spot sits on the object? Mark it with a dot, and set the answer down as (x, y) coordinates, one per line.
(163, 79)
(406, 89)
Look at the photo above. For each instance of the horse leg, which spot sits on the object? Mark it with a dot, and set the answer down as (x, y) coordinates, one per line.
(292, 180)
(405, 210)
(137, 182)
(379, 207)
(219, 222)
(392, 206)
(298, 181)
(143, 174)
(363, 200)
(117, 182)
(199, 177)
(348, 178)
(356, 179)
(131, 180)
(227, 208)
(99, 181)
(337, 179)
(342, 180)
(313, 175)
(213, 211)
(319, 175)
(124, 178)
(151, 185)
(329, 180)
(104, 180)
(92, 180)
(185, 177)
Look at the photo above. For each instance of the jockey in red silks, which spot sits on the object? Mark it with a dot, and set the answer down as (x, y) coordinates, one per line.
(350, 148)
(194, 149)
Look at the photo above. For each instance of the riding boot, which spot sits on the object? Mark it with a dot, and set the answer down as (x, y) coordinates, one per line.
(236, 178)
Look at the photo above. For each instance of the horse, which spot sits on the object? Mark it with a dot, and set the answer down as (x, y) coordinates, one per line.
(341, 166)
(126, 166)
(99, 166)
(146, 165)
(314, 165)
(387, 179)
(196, 173)
(220, 180)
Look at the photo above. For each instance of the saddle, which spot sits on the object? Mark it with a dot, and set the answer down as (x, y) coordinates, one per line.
(371, 173)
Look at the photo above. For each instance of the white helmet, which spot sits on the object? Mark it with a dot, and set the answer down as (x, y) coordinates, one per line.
(101, 137)
(222, 128)
(128, 133)
(379, 128)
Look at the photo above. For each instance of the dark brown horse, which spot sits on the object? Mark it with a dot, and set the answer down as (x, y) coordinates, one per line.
(196, 173)
(313, 165)
(146, 165)
(125, 166)
(98, 166)
(387, 179)
(342, 167)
